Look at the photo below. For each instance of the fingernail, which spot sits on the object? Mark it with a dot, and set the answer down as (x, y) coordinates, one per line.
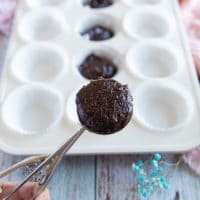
(1, 190)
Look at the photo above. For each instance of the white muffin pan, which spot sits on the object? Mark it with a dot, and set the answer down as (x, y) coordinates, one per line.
(32, 109)
(162, 106)
(143, 61)
(39, 62)
(146, 23)
(41, 77)
(43, 24)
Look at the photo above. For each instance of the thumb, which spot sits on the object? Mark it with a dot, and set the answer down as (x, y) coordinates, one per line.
(45, 195)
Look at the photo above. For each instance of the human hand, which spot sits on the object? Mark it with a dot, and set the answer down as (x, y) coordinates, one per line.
(25, 193)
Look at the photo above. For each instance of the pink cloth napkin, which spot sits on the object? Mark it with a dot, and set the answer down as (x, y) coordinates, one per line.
(191, 17)
(7, 8)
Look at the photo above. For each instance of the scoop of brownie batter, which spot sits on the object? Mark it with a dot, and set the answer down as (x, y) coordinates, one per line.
(98, 33)
(104, 106)
(99, 3)
(94, 67)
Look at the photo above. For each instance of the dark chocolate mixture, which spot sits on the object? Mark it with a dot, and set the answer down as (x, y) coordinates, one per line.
(94, 67)
(99, 3)
(98, 33)
(104, 106)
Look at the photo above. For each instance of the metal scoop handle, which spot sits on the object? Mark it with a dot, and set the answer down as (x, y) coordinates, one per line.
(44, 171)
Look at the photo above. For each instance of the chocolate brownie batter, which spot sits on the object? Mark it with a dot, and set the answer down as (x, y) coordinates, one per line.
(94, 67)
(104, 106)
(99, 3)
(98, 33)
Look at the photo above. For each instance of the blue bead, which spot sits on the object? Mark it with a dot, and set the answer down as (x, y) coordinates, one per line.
(135, 168)
(157, 156)
(141, 189)
(142, 179)
(166, 186)
(154, 174)
(154, 163)
(159, 169)
(145, 194)
(153, 182)
(149, 188)
(141, 171)
(162, 179)
(139, 163)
